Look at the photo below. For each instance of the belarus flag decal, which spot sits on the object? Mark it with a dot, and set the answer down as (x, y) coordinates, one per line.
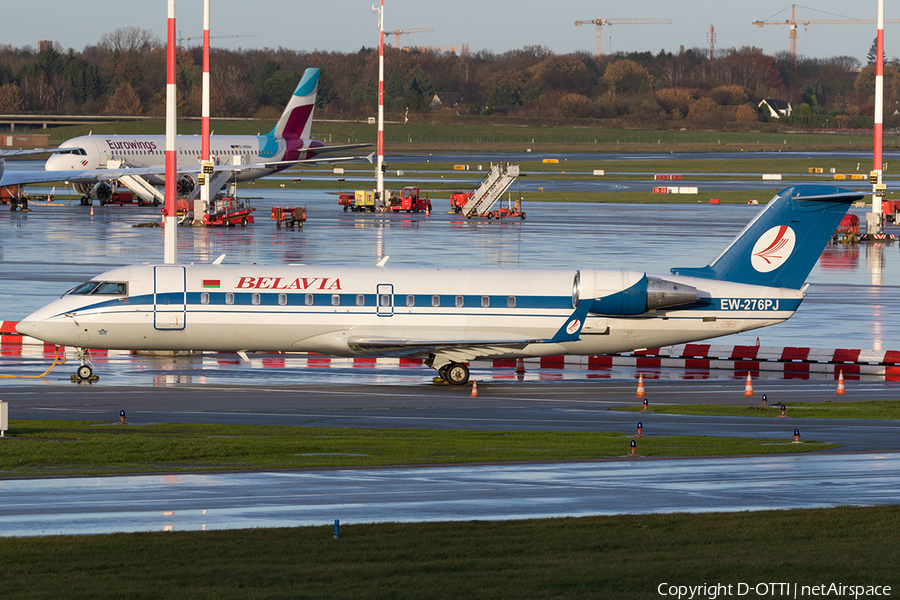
(211, 283)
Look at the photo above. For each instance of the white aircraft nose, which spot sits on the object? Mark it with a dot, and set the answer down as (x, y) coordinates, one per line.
(60, 162)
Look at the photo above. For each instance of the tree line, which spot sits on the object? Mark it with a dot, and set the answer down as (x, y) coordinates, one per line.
(124, 74)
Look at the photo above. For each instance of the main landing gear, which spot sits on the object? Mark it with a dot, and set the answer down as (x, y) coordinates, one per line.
(454, 373)
(86, 371)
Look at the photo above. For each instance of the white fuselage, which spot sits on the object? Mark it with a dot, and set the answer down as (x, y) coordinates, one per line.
(339, 310)
(150, 151)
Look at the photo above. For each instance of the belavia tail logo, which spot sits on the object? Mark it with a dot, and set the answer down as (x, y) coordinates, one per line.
(773, 248)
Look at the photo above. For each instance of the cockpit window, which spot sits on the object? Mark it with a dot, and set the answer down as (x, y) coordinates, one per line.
(106, 288)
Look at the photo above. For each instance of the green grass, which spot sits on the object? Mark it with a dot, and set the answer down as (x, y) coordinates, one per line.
(592, 557)
(480, 135)
(864, 409)
(84, 447)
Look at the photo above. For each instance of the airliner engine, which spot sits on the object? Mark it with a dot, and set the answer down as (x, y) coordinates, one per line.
(629, 293)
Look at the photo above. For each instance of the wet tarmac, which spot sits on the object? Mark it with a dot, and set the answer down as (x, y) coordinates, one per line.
(853, 301)
(464, 493)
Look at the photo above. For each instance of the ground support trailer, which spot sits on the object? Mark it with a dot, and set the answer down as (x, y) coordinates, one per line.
(288, 216)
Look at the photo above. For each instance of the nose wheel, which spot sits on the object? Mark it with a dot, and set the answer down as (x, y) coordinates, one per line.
(86, 371)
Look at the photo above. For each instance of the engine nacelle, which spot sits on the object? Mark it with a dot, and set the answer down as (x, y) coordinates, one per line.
(186, 185)
(629, 293)
(103, 191)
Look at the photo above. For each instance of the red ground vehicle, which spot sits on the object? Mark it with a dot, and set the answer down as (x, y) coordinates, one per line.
(228, 212)
(459, 199)
(288, 216)
(410, 201)
(346, 200)
(123, 196)
(848, 231)
(890, 208)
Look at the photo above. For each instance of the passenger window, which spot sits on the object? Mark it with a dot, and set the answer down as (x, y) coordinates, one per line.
(511, 302)
(308, 300)
(410, 300)
(229, 298)
(435, 300)
(255, 299)
(335, 300)
(385, 300)
(360, 300)
(485, 301)
(204, 297)
(460, 301)
(282, 299)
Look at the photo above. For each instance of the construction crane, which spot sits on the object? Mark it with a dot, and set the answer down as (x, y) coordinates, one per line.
(794, 22)
(212, 37)
(400, 32)
(601, 22)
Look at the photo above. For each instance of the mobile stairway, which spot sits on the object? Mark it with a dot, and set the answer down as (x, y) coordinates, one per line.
(490, 191)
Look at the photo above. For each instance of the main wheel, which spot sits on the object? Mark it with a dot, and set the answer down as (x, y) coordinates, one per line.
(442, 372)
(84, 372)
(457, 374)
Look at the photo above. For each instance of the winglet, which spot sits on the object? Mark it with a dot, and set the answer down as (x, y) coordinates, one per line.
(571, 329)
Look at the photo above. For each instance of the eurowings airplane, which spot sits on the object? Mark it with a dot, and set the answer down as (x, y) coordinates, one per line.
(251, 156)
(449, 316)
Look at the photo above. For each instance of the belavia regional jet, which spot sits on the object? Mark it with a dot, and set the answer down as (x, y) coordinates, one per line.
(248, 156)
(449, 316)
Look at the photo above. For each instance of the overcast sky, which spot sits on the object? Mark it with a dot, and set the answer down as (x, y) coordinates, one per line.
(348, 25)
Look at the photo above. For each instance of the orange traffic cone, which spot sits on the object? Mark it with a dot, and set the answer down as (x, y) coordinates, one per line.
(92, 210)
(640, 391)
(474, 389)
(840, 390)
(520, 367)
(748, 389)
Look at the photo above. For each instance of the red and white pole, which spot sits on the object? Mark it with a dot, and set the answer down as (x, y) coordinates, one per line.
(171, 159)
(379, 167)
(204, 127)
(879, 109)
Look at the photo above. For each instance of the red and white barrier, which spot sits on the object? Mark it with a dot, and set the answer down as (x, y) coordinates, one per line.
(790, 360)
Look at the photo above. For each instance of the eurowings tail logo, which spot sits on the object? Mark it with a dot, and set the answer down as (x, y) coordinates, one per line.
(773, 248)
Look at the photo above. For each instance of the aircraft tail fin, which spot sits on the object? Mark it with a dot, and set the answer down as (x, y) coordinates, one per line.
(781, 245)
(296, 120)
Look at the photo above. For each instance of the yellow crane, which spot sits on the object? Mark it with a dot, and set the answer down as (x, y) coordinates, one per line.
(794, 22)
(400, 32)
(601, 22)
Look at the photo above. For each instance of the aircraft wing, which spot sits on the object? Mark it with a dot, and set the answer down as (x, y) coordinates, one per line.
(462, 350)
(31, 151)
(26, 177)
(306, 161)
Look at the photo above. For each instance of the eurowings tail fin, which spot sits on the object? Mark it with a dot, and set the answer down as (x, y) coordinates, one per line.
(781, 245)
(296, 120)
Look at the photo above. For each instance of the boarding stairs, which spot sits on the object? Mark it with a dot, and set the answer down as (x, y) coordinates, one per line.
(138, 184)
(490, 190)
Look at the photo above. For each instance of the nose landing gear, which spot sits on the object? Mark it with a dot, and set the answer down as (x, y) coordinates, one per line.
(86, 371)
